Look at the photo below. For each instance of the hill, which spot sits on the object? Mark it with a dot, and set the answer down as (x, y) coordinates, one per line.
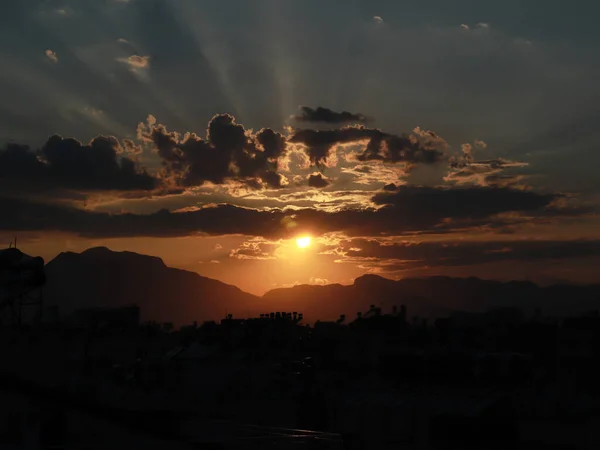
(434, 297)
(101, 277)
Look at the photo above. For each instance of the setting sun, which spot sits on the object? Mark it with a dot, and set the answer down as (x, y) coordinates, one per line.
(303, 242)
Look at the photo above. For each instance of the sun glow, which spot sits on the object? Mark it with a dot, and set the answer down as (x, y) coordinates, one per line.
(303, 242)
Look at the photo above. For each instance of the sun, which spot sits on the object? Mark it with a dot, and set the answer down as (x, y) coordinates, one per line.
(303, 242)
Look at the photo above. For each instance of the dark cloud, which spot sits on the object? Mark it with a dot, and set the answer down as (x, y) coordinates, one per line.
(466, 169)
(67, 163)
(317, 180)
(319, 143)
(219, 220)
(422, 147)
(492, 172)
(435, 203)
(326, 115)
(405, 210)
(228, 153)
(412, 255)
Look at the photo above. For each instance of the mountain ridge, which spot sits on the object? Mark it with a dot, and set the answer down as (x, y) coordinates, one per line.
(99, 276)
(102, 277)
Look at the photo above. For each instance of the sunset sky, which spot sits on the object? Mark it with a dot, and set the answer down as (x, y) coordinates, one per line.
(404, 138)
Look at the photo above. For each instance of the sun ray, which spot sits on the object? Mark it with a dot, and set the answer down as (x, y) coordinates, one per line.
(281, 56)
(68, 106)
(98, 53)
(217, 54)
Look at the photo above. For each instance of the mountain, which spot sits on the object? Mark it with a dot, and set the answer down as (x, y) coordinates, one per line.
(101, 277)
(434, 297)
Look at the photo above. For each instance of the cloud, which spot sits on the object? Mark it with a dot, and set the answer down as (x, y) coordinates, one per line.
(318, 281)
(484, 172)
(131, 148)
(229, 153)
(317, 180)
(370, 174)
(521, 41)
(255, 249)
(326, 115)
(419, 147)
(480, 25)
(401, 211)
(466, 169)
(64, 12)
(434, 204)
(51, 55)
(67, 163)
(411, 255)
(55, 12)
(136, 61)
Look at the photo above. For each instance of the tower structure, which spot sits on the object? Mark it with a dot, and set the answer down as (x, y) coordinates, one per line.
(22, 278)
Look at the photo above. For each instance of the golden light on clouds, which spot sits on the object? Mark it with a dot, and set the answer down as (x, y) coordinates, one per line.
(303, 241)
(51, 54)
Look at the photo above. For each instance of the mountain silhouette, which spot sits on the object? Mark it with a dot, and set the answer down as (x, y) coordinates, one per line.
(100, 277)
(435, 297)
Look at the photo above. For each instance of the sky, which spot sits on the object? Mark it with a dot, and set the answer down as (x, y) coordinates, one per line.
(404, 138)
